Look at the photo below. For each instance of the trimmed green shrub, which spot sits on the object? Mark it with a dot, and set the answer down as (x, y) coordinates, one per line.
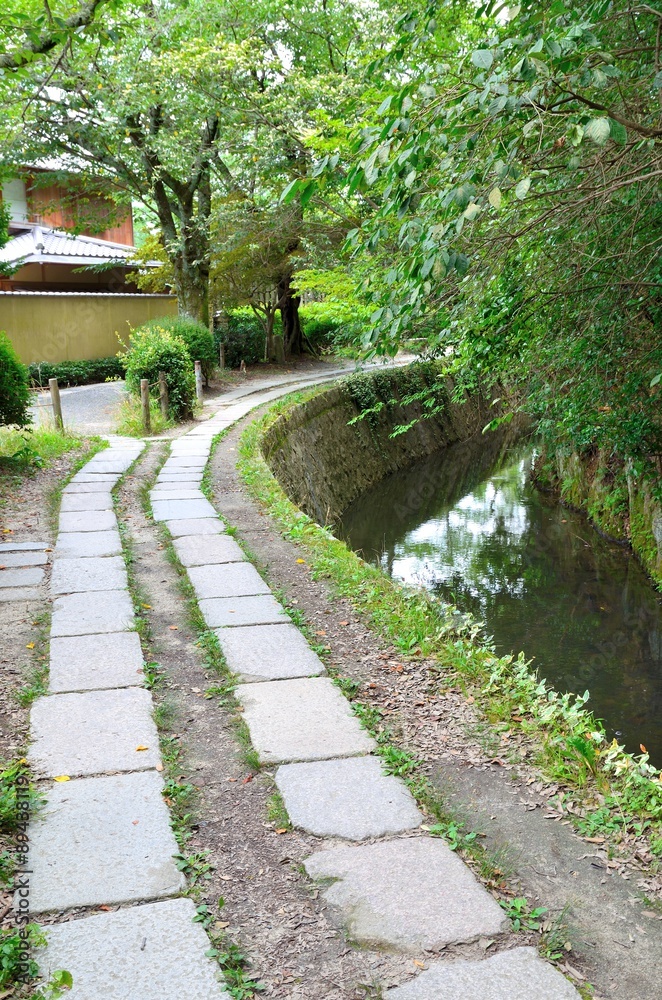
(155, 349)
(14, 385)
(244, 338)
(197, 337)
(76, 372)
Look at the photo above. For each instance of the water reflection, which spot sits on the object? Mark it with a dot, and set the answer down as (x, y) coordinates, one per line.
(468, 526)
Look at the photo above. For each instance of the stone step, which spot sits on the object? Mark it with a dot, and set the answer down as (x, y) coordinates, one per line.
(87, 520)
(519, 974)
(149, 952)
(89, 543)
(226, 612)
(238, 579)
(206, 550)
(410, 895)
(177, 510)
(301, 719)
(26, 576)
(99, 500)
(95, 662)
(268, 652)
(350, 798)
(100, 841)
(94, 732)
(6, 546)
(92, 612)
(195, 526)
(72, 576)
(16, 559)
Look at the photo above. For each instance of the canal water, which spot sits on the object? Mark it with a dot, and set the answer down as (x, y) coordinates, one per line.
(469, 526)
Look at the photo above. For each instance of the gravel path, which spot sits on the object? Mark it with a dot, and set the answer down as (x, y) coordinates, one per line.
(88, 409)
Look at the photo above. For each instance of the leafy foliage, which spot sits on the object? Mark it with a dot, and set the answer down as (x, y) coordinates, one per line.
(197, 338)
(76, 372)
(14, 385)
(155, 349)
(243, 339)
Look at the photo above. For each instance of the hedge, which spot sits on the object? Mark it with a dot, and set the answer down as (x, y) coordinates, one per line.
(76, 372)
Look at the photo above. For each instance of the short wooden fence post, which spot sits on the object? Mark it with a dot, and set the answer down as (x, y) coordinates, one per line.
(144, 403)
(56, 403)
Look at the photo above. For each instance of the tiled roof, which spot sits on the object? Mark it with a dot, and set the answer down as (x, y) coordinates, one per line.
(50, 246)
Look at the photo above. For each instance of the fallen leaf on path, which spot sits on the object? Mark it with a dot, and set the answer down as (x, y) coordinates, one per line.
(282, 829)
(29, 645)
(421, 965)
(62, 777)
(301, 560)
(159, 767)
(173, 628)
(148, 606)
(141, 747)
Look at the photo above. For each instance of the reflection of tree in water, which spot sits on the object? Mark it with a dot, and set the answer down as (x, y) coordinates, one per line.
(471, 529)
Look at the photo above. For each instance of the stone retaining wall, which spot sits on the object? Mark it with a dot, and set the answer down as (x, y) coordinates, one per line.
(324, 462)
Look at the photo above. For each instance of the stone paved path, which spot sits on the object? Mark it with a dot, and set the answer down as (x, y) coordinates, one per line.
(104, 835)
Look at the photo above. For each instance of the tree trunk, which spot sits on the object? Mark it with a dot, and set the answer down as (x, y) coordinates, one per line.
(288, 303)
(192, 288)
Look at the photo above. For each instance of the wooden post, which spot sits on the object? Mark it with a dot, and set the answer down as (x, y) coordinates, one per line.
(198, 380)
(56, 403)
(144, 402)
(163, 395)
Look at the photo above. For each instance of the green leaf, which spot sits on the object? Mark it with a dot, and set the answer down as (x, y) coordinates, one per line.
(290, 191)
(494, 197)
(522, 189)
(656, 380)
(462, 264)
(618, 132)
(482, 58)
(597, 130)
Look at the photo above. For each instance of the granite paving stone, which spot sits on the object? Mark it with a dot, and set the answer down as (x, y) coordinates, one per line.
(409, 895)
(30, 576)
(101, 480)
(72, 576)
(185, 476)
(88, 520)
(239, 579)
(92, 612)
(176, 493)
(19, 594)
(268, 652)
(176, 510)
(185, 462)
(195, 526)
(102, 840)
(23, 547)
(194, 550)
(301, 719)
(93, 732)
(99, 500)
(8, 559)
(350, 798)
(94, 485)
(93, 662)
(225, 612)
(149, 952)
(88, 544)
(519, 974)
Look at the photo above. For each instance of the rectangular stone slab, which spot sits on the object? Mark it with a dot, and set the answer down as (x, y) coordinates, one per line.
(176, 510)
(74, 576)
(195, 526)
(100, 841)
(93, 662)
(19, 594)
(149, 952)
(88, 520)
(8, 559)
(197, 550)
(93, 732)
(107, 478)
(407, 895)
(301, 719)
(185, 475)
(89, 543)
(226, 612)
(185, 462)
(94, 484)
(99, 500)
(26, 576)
(268, 652)
(238, 579)
(350, 798)
(518, 974)
(176, 493)
(92, 612)
(23, 547)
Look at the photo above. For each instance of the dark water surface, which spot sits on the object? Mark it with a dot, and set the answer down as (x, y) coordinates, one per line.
(469, 526)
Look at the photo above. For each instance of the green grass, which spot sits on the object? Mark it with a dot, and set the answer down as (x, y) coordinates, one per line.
(28, 447)
(564, 741)
(130, 418)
